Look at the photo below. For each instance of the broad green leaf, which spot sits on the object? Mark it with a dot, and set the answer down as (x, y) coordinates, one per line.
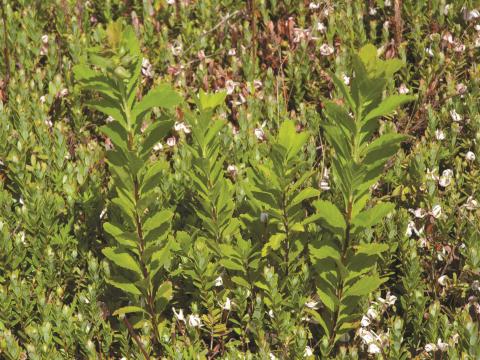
(116, 133)
(230, 264)
(122, 259)
(162, 96)
(155, 133)
(328, 299)
(338, 115)
(364, 286)
(273, 243)
(372, 216)
(165, 291)
(387, 106)
(211, 100)
(128, 310)
(305, 194)
(329, 215)
(371, 249)
(241, 281)
(324, 252)
(125, 286)
(157, 220)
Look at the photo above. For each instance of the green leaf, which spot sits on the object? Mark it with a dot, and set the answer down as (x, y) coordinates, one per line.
(122, 259)
(128, 310)
(364, 286)
(155, 133)
(387, 106)
(324, 252)
(157, 220)
(305, 194)
(328, 215)
(273, 243)
(230, 264)
(371, 249)
(241, 281)
(125, 286)
(338, 115)
(372, 216)
(109, 107)
(211, 100)
(116, 133)
(162, 96)
(328, 298)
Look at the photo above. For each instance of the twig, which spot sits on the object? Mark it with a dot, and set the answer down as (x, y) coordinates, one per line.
(398, 23)
(135, 337)
(5, 51)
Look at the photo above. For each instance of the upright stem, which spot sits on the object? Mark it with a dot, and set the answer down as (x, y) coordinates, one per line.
(6, 53)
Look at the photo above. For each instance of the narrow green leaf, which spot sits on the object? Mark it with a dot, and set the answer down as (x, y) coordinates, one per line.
(305, 194)
(372, 216)
(128, 310)
(122, 259)
(364, 286)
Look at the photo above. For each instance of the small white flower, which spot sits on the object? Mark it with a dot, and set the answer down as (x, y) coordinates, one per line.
(470, 156)
(346, 79)
(313, 6)
(228, 305)
(177, 49)
(259, 133)
(109, 119)
(45, 39)
(321, 27)
(471, 15)
(365, 322)
(403, 89)
(411, 229)
(63, 93)
(232, 170)
(171, 2)
(230, 85)
(443, 280)
(461, 88)
(257, 84)
(455, 338)
(430, 348)
(419, 213)
(147, 69)
(387, 3)
(49, 123)
(171, 141)
(308, 352)
(373, 349)
(436, 211)
(442, 346)
(372, 11)
(366, 336)
(179, 316)
(312, 304)
(219, 281)
(326, 50)
(181, 127)
(194, 320)
(447, 37)
(273, 357)
(476, 285)
(455, 116)
(271, 314)
(103, 213)
(477, 27)
(446, 9)
(158, 147)
(471, 203)
(390, 299)
(232, 52)
(429, 51)
(43, 99)
(439, 135)
(459, 47)
(446, 178)
(372, 313)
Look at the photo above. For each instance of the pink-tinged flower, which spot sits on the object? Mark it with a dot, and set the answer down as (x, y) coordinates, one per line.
(232, 171)
(230, 86)
(461, 88)
(232, 52)
(471, 15)
(147, 68)
(403, 89)
(313, 6)
(45, 39)
(172, 141)
(326, 50)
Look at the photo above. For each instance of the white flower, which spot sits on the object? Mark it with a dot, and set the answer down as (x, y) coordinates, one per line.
(471, 203)
(442, 346)
(49, 122)
(219, 281)
(43, 98)
(419, 213)
(171, 2)
(372, 313)
(403, 89)
(257, 84)
(387, 3)
(194, 321)
(63, 93)
(346, 79)
(436, 211)
(439, 135)
(313, 6)
(372, 11)
(470, 156)
(365, 321)
(373, 349)
(109, 119)
(176, 49)
(232, 52)
(430, 348)
(45, 39)
(326, 50)
(158, 147)
(477, 27)
(455, 338)
(476, 286)
(147, 69)
(455, 116)
(228, 305)
(259, 133)
(308, 351)
(448, 38)
(390, 299)
(429, 51)
(366, 336)
(443, 280)
(272, 357)
(321, 27)
(459, 48)
(181, 127)
(271, 314)
(179, 316)
(461, 88)
(471, 15)
(103, 213)
(230, 85)
(446, 9)
(446, 178)
(232, 170)
(411, 229)
(312, 304)
(171, 141)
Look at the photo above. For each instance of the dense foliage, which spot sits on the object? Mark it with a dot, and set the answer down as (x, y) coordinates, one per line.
(239, 180)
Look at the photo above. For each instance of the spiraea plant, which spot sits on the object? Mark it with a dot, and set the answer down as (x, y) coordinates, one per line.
(138, 224)
(345, 264)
